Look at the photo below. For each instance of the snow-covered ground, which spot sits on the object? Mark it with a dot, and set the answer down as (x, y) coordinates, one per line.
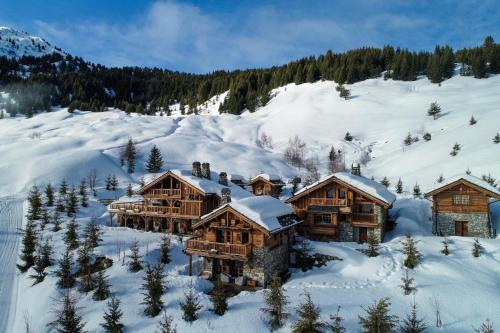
(56, 145)
(15, 44)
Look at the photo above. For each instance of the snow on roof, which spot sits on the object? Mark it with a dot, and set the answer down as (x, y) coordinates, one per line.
(133, 198)
(263, 210)
(211, 185)
(469, 178)
(363, 184)
(234, 176)
(267, 176)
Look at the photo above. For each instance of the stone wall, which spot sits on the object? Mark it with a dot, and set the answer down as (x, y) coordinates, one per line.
(267, 262)
(478, 223)
(345, 232)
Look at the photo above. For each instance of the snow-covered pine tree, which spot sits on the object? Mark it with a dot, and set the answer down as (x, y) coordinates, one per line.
(67, 318)
(399, 186)
(477, 249)
(373, 245)
(445, 250)
(408, 139)
(130, 155)
(472, 121)
(336, 325)
(154, 287)
(112, 317)
(155, 160)
(86, 282)
(130, 192)
(72, 203)
(56, 221)
(101, 291)
(63, 188)
(486, 327)
(84, 198)
(71, 235)
(434, 110)
(93, 234)
(165, 249)
(407, 285)
(416, 191)
(496, 138)
(35, 204)
(219, 299)
(427, 136)
(107, 182)
(134, 265)
(114, 183)
(42, 261)
(276, 303)
(440, 178)
(385, 181)
(412, 323)
(60, 207)
(191, 305)
(66, 277)
(45, 218)
(309, 317)
(29, 244)
(378, 318)
(49, 195)
(348, 137)
(413, 256)
(166, 324)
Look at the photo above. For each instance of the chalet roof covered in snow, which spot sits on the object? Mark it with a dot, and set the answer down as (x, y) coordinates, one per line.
(266, 211)
(475, 181)
(363, 184)
(269, 177)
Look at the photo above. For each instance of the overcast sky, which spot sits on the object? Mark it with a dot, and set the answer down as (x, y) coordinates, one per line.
(203, 36)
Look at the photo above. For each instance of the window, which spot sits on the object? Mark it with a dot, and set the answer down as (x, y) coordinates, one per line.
(341, 194)
(460, 199)
(244, 237)
(322, 219)
(330, 194)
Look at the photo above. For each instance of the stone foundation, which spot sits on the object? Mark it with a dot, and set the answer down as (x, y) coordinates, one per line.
(345, 232)
(267, 262)
(478, 223)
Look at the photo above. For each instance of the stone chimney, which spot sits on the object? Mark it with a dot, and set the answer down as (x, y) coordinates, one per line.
(225, 196)
(205, 170)
(196, 169)
(223, 178)
(356, 169)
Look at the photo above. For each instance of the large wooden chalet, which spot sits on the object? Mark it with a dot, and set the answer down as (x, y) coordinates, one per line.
(343, 207)
(246, 241)
(175, 200)
(265, 184)
(461, 207)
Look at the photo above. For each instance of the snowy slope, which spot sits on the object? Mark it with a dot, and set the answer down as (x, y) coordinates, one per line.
(15, 44)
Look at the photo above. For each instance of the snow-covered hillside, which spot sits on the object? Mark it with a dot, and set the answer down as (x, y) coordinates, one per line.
(15, 44)
(56, 145)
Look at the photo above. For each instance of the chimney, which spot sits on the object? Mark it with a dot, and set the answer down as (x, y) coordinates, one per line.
(226, 196)
(223, 178)
(205, 170)
(196, 169)
(356, 169)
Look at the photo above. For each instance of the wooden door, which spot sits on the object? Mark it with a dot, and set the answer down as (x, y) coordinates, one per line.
(363, 235)
(461, 228)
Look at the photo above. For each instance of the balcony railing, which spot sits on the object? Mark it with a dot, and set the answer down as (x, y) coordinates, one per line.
(193, 209)
(364, 217)
(160, 192)
(214, 248)
(328, 202)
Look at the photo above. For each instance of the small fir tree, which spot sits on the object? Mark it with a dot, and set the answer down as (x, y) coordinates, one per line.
(114, 183)
(107, 182)
(45, 218)
(167, 324)
(155, 160)
(60, 207)
(440, 178)
(416, 191)
(63, 188)
(348, 137)
(308, 321)
(165, 249)
(468, 172)
(445, 250)
(134, 265)
(412, 323)
(93, 234)
(477, 249)
(154, 287)
(219, 299)
(84, 259)
(72, 203)
(56, 221)
(29, 244)
(413, 256)
(276, 303)
(434, 110)
(84, 198)
(486, 327)
(112, 317)
(191, 305)
(35, 204)
(336, 325)
(71, 235)
(472, 121)
(87, 282)
(385, 181)
(66, 277)
(42, 261)
(373, 245)
(378, 318)
(130, 154)
(399, 186)
(407, 285)
(496, 138)
(49, 196)
(67, 318)
(408, 139)
(101, 291)
(130, 192)
(427, 136)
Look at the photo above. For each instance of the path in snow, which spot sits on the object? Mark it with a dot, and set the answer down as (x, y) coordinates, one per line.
(11, 218)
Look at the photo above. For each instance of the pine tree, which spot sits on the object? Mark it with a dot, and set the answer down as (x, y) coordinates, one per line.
(486, 327)
(407, 285)
(93, 234)
(190, 306)
(412, 323)
(60, 207)
(373, 245)
(63, 188)
(275, 304)
(130, 155)
(71, 235)
(440, 178)
(66, 277)
(45, 218)
(496, 138)
(107, 181)
(427, 136)
(56, 221)
(167, 324)
(399, 186)
(130, 192)
(477, 249)
(87, 282)
(29, 245)
(348, 137)
(165, 249)
(336, 326)
(434, 110)
(35, 204)
(68, 320)
(413, 256)
(408, 139)
(472, 121)
(114, 183)
(101, 291)
(378, 319)
(112, 317)
(308, 321)
(84, 260)
(72, 203)
(416, 191)
(42, 261)
(155, 161)
(134, 264)
(445, 249)
(84, 199)
(385, 181)
(49, 195)
(219, 299)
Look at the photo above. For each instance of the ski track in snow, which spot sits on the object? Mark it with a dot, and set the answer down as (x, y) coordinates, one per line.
(11, 217)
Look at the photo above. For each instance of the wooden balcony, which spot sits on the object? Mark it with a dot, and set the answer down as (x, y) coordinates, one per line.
(364, 219)
(200, 247)
(188, 210)
(328, 202)
(160, 192)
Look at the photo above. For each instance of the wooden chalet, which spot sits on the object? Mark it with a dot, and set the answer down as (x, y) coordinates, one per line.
(343, 207)
(174, 201)
(246, 241)
(461, 207)
(265, 184)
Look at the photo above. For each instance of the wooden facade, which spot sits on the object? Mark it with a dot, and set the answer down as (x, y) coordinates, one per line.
(170, 204)
(335, 210)
(262, 186)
